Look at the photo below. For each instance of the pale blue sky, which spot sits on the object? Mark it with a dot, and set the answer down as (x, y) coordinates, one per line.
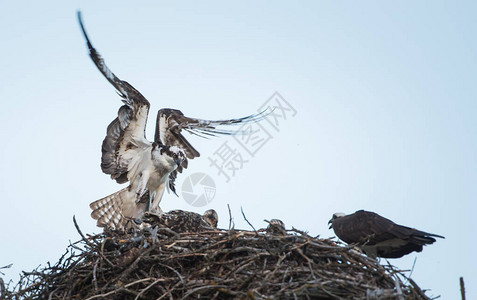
(386, 105)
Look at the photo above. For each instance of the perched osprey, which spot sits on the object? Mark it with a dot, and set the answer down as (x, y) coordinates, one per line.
(378, 236)
(184, 221)
(276, 227)
(148, 166)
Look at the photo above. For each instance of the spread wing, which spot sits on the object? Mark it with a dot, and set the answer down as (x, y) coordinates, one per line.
(125, 136)
(171, 123)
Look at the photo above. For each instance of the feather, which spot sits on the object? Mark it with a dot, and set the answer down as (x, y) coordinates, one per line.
(379, 236)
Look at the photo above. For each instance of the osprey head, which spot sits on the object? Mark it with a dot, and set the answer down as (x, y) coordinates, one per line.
(335, 216)
(211, 217)
(276, 227)
(173, 156)
(277, 222)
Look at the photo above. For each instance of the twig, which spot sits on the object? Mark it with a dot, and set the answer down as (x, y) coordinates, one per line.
(397, 283)
(243, 214)
(5, 267)
(231, 224)
(462, 287)
(203, 288)
(175, 271)
(148, 287)
(50, 297)
(418, 289)
(277, 266)
(89, 243)
(2, 289)
(79, 230)
(131, 267)
(412, 270)
(95, 281)
(108, 294)
(139, 281)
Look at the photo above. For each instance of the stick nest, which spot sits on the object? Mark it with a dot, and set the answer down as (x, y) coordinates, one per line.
(221, 264)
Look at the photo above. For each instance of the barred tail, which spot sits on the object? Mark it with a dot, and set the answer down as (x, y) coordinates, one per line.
(109, 210)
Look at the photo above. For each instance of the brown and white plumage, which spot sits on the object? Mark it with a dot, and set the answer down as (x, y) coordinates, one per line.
(276, 227)
(184, 221)
(148, 166)
(117, 211)
(378, 236)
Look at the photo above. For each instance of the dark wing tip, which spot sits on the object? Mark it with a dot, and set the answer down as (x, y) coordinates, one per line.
(123, 88)
(91, 49)
(436, 235)
(78, 14)
(80, 21)
(428, 238)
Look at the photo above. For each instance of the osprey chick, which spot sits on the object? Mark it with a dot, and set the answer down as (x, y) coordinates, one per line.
(276, 227)
(184, 221)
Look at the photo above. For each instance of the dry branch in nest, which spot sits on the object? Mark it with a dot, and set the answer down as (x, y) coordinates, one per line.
(237, 264)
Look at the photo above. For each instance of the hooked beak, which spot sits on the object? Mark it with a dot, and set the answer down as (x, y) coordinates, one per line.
(179, 162)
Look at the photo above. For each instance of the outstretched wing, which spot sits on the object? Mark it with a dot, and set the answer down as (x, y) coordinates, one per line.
(171, 122)
(125, 135)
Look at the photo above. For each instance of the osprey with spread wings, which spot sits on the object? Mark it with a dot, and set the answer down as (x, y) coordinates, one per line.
(148, 166)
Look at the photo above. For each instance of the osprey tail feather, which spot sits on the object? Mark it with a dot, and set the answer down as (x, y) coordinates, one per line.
(107, 210)
(115, 210)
